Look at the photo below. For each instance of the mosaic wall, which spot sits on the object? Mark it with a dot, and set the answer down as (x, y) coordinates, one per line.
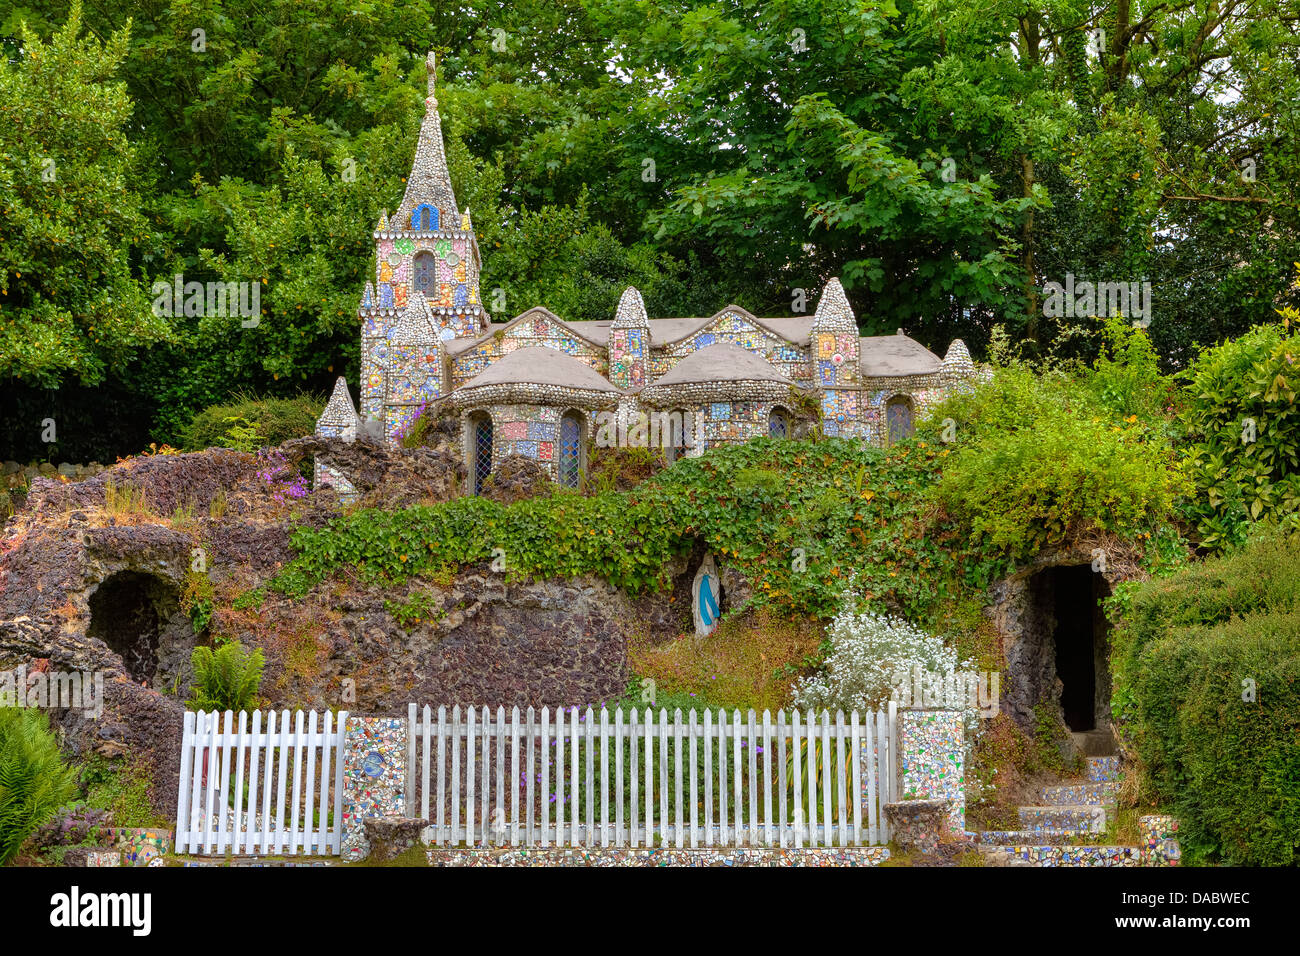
(141, 847)
(374, 776)
(926, 391)
(533, 328)
(1160, 840)
(532, 431)
(629, 353)
(932, 761)
(728, 422)
(445, 271)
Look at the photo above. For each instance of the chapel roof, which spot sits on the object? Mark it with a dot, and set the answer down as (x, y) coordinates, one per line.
(722, 363)
(885, 356)
(541, 365)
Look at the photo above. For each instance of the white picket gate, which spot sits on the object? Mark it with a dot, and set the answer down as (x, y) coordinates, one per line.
(480, 778)
(220, 808)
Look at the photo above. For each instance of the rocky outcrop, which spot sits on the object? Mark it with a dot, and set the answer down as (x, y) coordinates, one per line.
(515, 478)
(111, 575)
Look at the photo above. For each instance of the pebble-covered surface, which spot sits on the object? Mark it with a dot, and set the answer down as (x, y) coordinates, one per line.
(932, 756)
(1076, 855)
(1039, 837)
(1102, 769)
(819, 856)
(1092, 819)
(1080, 794)
(140, 847)
(1160, 840)
(374, 777)
(254, 861)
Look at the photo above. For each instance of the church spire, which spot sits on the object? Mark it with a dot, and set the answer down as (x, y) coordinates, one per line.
(428, 203)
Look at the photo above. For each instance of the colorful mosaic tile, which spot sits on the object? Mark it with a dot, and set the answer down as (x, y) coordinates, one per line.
(1160, 840)
(932, 759)
(374, 776)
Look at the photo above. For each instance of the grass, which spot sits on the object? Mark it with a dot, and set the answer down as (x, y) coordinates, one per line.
(736, 666)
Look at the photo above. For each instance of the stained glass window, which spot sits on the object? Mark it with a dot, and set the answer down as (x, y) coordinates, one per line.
(898, 419)
(777, 426)
(570, 451)
(482, 452)
(425, 277)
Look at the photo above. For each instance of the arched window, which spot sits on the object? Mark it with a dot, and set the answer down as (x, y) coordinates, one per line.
(424, 218)
(480, 450)
(424, 277)
(677, 434)
(899, 422)
(778, 425)
(570, 460)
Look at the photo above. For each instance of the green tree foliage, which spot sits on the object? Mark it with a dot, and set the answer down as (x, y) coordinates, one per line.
(71, 301)
(1243, 430)
(227, 678)
(34, 780)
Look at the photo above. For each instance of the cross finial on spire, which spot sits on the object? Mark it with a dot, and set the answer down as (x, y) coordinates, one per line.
(432, 62)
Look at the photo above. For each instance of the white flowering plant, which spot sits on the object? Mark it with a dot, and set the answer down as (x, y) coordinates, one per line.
(871, 654)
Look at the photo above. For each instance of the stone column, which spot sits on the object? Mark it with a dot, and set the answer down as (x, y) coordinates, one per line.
(931, 760)
(374, 777)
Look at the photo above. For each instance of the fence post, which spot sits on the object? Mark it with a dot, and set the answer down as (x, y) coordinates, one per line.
(374, 777)
(931, 760)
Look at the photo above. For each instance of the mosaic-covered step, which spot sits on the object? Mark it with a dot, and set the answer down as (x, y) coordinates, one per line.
(1074, 855)
(1025, 837)
(1090, 818)
(1102, 769)
(1076, 794)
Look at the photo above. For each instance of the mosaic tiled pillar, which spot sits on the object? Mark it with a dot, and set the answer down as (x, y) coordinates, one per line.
(931, 759)
(374, 777)
(1160, 840)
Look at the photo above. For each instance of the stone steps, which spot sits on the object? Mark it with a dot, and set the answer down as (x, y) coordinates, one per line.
(1043, 855)
(1064, 817)
(1103, 769)
(1080, 794)
(1028, 837)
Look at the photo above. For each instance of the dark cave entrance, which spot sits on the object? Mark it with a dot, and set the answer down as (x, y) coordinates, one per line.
(1071, 598)
(134, 613)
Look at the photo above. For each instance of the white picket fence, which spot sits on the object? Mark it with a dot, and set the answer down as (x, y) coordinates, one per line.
(710, 780)
(220, 808)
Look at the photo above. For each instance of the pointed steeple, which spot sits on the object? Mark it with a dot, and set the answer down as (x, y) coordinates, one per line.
(412, 327)
(834, 314)
(339, 419)
(429, 182)
(631, 310)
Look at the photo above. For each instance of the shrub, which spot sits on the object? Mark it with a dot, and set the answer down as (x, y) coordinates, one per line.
(1243, 428)
(34, 780)
(226, 679)
(248, 422)
(1190, 654)
(1038, 458)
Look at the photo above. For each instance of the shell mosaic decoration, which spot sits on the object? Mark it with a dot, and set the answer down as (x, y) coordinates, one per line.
(426, 339)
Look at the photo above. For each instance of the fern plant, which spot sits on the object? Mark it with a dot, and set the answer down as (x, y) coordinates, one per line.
(227, 678)
(34, 780)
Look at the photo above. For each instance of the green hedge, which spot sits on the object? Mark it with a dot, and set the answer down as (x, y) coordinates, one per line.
(275, 419)
(1229, 768)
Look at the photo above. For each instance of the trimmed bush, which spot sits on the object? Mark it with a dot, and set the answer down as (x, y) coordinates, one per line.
(34, 780)
(248, 422)
(1207, 674)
